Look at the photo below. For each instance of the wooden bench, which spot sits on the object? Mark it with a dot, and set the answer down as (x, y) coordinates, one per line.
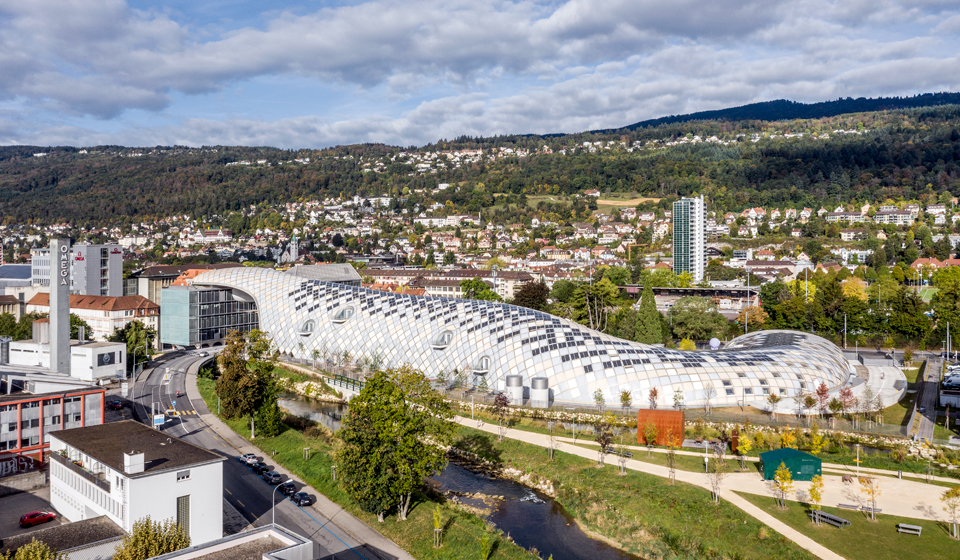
(848, 506)
(909, 529)
(612, 451)
(828, 518)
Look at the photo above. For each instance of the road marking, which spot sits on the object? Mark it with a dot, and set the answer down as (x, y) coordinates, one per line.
(241, 503)
(228, 491)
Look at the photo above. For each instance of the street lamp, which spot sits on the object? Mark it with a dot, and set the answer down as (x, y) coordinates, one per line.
(273, 505)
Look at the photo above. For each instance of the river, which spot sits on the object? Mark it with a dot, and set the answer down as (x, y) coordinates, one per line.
(533, 520)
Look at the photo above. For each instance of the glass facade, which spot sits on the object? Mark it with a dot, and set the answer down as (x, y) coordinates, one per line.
(191, 316)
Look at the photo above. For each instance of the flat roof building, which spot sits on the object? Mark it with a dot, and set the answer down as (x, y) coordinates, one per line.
(128, 471)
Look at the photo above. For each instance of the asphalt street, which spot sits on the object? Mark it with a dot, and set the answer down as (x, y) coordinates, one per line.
(243, 489)
(928, 399)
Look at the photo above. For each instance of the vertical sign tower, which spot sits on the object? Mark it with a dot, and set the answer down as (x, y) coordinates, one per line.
(60, 306)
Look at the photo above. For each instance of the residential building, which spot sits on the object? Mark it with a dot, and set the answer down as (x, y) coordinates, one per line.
(104, 314)
(95, 270)
(128, 471)
(688, 237)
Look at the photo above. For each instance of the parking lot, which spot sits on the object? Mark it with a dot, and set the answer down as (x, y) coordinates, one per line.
(15, 505)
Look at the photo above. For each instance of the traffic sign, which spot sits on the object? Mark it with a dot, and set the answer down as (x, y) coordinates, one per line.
(158, 419)
(173, 403)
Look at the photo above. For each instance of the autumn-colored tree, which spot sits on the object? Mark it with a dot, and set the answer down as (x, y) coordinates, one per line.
(854, 287)
(653, 397)
(817, 441)
(816, 494)
(783, 484)
(823, 398)
(151, 538)
(687, 344)
(744, 445)
(773, 400)
(787, 439)
(951, 504)
(870, 486)
(753, 317)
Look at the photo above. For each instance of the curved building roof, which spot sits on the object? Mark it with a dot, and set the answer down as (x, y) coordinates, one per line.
(494, 339)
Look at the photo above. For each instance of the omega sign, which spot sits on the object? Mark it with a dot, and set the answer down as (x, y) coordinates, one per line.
(64, 265)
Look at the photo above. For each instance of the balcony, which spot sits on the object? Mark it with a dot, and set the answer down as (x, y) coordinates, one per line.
(94, 478)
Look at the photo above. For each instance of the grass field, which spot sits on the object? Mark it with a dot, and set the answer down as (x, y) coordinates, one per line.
(864, 538)
(927, 293)
(625, 201)
(640, 512)
(462, 533)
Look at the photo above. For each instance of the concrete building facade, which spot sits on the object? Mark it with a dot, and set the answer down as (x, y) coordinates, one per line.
(95, 270)
(128, 471)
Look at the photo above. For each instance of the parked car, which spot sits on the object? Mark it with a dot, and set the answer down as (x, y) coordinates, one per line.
(247, 458)
(259, 467)
(36, 518)
(271, 477)
(302, 499)
(115, 405)
(288, 488)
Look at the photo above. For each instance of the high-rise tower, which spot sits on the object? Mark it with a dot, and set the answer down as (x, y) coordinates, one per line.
(689, 221)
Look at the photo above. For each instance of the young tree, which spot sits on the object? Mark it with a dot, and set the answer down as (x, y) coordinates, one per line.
(395, 435)
(678, 399)
(653, 397)
(783, 484)
(151, 538)
(788, 440)
(626, 399)
(817, 441)
(599, 400)
(647, 329)
(773, 400)
(823, 398)
(809, 401)
(717, 472)
(835, 406)
(709, 393)
(687, 345)
(500, 407)
(951, 504)
(816, 494)
(650, 435)
(799, 399)
(744, 445)
(604, 436)
(871, 487)
(847, 400)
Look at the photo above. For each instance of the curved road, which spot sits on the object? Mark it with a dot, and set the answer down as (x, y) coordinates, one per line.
(243, 489)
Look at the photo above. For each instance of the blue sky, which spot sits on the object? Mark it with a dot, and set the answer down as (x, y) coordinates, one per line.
(321, 73)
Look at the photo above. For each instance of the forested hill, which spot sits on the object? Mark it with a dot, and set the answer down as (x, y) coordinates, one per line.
(782, 109)
(903, 154)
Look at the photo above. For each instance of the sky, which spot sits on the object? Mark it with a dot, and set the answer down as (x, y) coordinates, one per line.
(312, 74)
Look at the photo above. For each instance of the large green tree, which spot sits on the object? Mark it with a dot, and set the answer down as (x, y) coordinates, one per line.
(139, 339)
(475, 288)
(151, 538)
(647, 329)
(394, 436)
(697, 318)
(532, 295)
(248, 386)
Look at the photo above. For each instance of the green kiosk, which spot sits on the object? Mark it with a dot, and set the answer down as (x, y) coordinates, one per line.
(803, 466)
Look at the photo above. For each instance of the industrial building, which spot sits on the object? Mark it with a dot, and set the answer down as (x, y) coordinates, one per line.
(95, 270)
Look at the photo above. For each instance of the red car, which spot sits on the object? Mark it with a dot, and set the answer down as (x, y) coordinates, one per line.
(36, 518)
(115, 405)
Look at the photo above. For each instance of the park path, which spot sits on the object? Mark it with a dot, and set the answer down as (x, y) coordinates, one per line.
(905, 498)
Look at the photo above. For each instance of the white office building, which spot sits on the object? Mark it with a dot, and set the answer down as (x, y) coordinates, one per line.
(95, 270)
(128, 471)
(689, 223)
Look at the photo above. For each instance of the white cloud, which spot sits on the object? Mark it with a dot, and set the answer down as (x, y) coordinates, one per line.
(479, 67)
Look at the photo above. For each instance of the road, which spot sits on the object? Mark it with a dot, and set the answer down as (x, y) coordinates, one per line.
(928, 399)
(243, 489)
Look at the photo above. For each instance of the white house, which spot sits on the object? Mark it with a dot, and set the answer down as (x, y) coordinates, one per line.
(128, 471)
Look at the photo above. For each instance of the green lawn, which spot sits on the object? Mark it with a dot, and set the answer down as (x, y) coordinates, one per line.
(864, 538)
(899, 414)
(462, 530)
(641, 512)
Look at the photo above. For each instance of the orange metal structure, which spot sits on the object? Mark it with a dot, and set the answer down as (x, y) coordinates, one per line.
(668, 423)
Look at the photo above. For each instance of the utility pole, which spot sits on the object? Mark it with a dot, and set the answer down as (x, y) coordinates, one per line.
(746, 313)
(844, 330)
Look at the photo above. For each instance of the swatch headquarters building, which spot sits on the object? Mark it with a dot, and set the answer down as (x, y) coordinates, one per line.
(518, 350)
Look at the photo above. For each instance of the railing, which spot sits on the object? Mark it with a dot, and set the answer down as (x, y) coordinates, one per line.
(343, 382)
(84, 473)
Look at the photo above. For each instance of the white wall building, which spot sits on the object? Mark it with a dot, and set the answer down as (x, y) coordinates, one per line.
(95, 270)
(104, 314)
(88, 362)
(128, 471)
(689, 221)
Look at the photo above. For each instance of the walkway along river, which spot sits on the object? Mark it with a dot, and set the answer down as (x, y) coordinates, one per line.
(533, 520)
